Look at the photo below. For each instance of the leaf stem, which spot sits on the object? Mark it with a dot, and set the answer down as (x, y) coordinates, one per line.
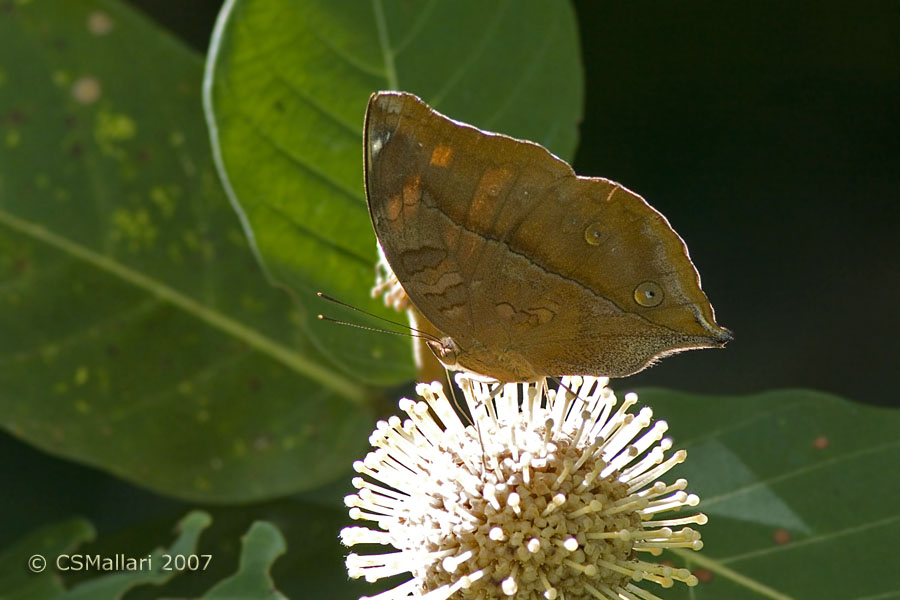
(385, 42)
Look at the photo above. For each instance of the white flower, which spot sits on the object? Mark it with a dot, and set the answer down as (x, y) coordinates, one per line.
(549, 495)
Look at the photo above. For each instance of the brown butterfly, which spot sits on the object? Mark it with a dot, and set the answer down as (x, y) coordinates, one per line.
(526, 269)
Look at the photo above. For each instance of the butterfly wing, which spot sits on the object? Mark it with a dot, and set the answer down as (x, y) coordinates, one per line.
(530, 269)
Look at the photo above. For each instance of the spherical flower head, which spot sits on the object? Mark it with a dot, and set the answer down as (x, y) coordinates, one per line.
(547, 494)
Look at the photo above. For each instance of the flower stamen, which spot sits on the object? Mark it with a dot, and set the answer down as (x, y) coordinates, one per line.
(547, 494)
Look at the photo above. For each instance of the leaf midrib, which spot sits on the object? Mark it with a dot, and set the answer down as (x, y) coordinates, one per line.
(210, 316)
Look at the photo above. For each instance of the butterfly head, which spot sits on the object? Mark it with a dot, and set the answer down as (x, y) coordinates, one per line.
(446, 351)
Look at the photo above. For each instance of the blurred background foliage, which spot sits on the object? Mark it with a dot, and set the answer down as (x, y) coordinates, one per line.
(768, 134)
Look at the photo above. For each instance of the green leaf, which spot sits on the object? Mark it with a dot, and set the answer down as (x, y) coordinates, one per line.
(138, 334)
(800, 488)
(260, 547)
(18, 580)
(286, 87)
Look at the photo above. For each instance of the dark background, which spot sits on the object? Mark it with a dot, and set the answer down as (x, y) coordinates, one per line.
(768, 133)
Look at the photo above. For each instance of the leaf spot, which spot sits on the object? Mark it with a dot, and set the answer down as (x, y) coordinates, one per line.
(82, 374)
(76, 149)
(133, 228)
(111, 127)
(703, 575)
(49, 353)
(21, 265)
(194, 243)
(61, 78)
(164, 199)
(86, 90)
(781, 536)
(99, 23)
(13, 138)
(16, 116)
(61, 194)
(239, 448)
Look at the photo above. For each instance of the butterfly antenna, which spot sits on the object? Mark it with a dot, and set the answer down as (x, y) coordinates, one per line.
(421, 334)
(366, 327)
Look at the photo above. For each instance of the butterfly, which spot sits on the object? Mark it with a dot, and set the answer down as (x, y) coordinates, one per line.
(525, 268)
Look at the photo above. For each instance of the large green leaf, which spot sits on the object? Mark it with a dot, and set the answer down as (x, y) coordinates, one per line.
(137, 333)
(286, 89)
(801, 491)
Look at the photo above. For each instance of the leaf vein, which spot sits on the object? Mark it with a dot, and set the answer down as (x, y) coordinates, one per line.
(310, 233)
(348, 58)
(801, 471)
(208, 315)
(309, 101)
(384, 41)
(296, 160)
(527, 75)
(712, 434)
(416, 28)
(817, 539)
(477, 50)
